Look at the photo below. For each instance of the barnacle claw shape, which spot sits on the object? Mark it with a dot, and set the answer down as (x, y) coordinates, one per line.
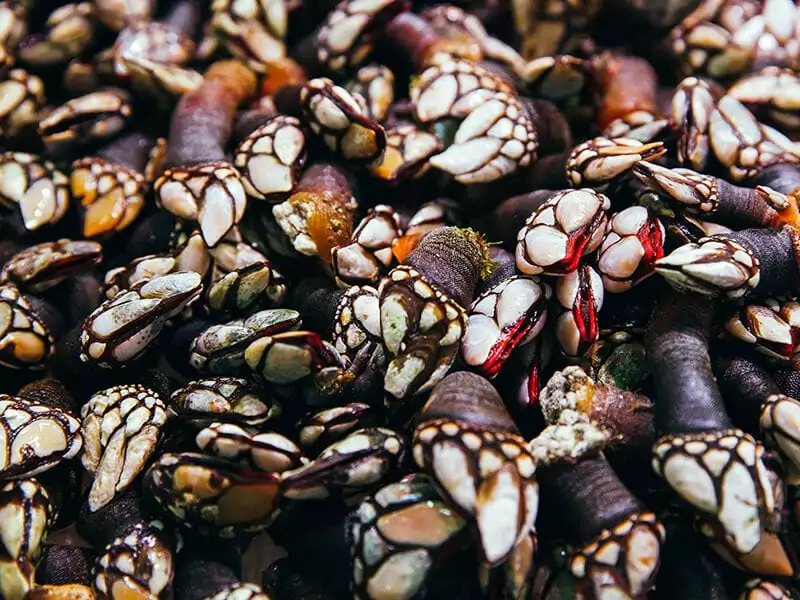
(154, 41)
(454, 88)
(399, 534)
(322, 428)
(25, 340)
(722, 475)
(241, 277)
(93, 117)
(769, 325)
(210, 193)
(581, 293)
(699, 193)
(494, 140)
(692, 105)
(375, 84)
(120, 330)
(334, 115)
(222, 399)
(358, 323)
(640, 125)
(210, 494)
(555, 77)
(192, 255)
(288, 357)
(42, 266)
(714, 267)
(35, 186)
(111, 195)
(487, 475)
(268, 452)
(421, 329)
(348, 34)
(220, 349)
(368, 254)
(142, 546)
(121, 428)
(68, 31)
(599, 161)
(633, 242)
(744, 145)
(780, 423)
(26, 511)
(356, 463)
(23, 98)
(568, 225)
(507, 316)
(161, 82)
(270, 158)
(407, 154)
(251, 31)
(703, 47)
(623, 560)
(35, 437)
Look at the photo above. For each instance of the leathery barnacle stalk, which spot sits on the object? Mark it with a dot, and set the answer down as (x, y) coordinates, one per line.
(734, 265)
(755, 401)
(718, 200)
(469, 445)
(199, 184)
(422, 308)
(717, 469)
(616, 540)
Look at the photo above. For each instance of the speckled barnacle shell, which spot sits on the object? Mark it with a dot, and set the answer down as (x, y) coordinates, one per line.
(355, 463)
(121, 329)
(358, 323)
(226, 399)
(42, 266)
(35, 437)
(219, 350)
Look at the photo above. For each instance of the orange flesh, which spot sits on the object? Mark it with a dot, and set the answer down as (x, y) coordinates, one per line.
(403, 246)
(282, 73)
(791, 214)
(329, 223)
